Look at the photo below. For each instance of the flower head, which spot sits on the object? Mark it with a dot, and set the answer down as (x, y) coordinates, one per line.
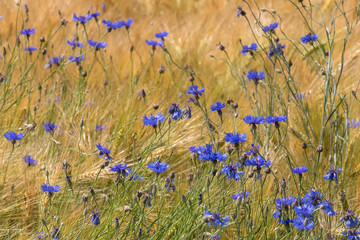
(207, 154)
(76, 59)
(303, 224)
(158, 167)
(169, 184)
(153, 120)
(257, 161)
(40, 235)
(100, 127)
(249, 49)
(175, 111)
(300, 170)
(253, 120)
(84, 19)
(53, 61)
(353, 123)
(271, 28)
(50, 189)
(13, 137)
(30, 49)
(350, 220)
(332, 174)
(30, 161)
(28, 32)
(276, 120)
(97, 45)
(304, 210)
(195, 91)
(95, 217)
(232, 172)
(49, 127)
(255, 76)
(242, 195)
(276, 51)
(75, 44)
(313, 197)
(217, 106)
(128, 23)
(327, 208)
(161, 35)
(308, 38)
(120, 169)
(235, 138)
(154, 43)
(104, 152)
(215, 219)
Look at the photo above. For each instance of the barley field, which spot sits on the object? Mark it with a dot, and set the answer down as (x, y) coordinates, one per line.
(170, 119)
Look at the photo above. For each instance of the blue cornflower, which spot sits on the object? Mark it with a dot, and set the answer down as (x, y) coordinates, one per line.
(120, 169)
(255, 76)
(277, 50)
(134, 176)
(327, 208)
(353, 123)
(253, 120)
(154, 43)
(242, 195)
(30, 49)
(75, 44)
(195, 91)
(253, 149)
(300, 95)
(300, 170)
(95, 217)
(97, 45)
(114, 25)
(53, 61)
(217, 107)
(13, 137)
(82, 19)
(49, 127)
(232, 172)
(30, 161)
(28, 32)
(276, 120)
(50, 189)
(257, 161)
(304, 210)
(100, 127)
(300, 222)
(104, 152)
(161, 35)
(249, 49)
(352, 234)
(350, 220)
(215, 219)
(128, 23)
(153, 120)
(40, 235)
(281, 204)
(313, 197)
(158, 167)
(332, 174)
(76, 59)
(271, 28)
(207, 154)
(1, 17)
(187, 112)
(95, 15)
(175, 111)
(169, 184)
(308, 38)
(235, 138)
